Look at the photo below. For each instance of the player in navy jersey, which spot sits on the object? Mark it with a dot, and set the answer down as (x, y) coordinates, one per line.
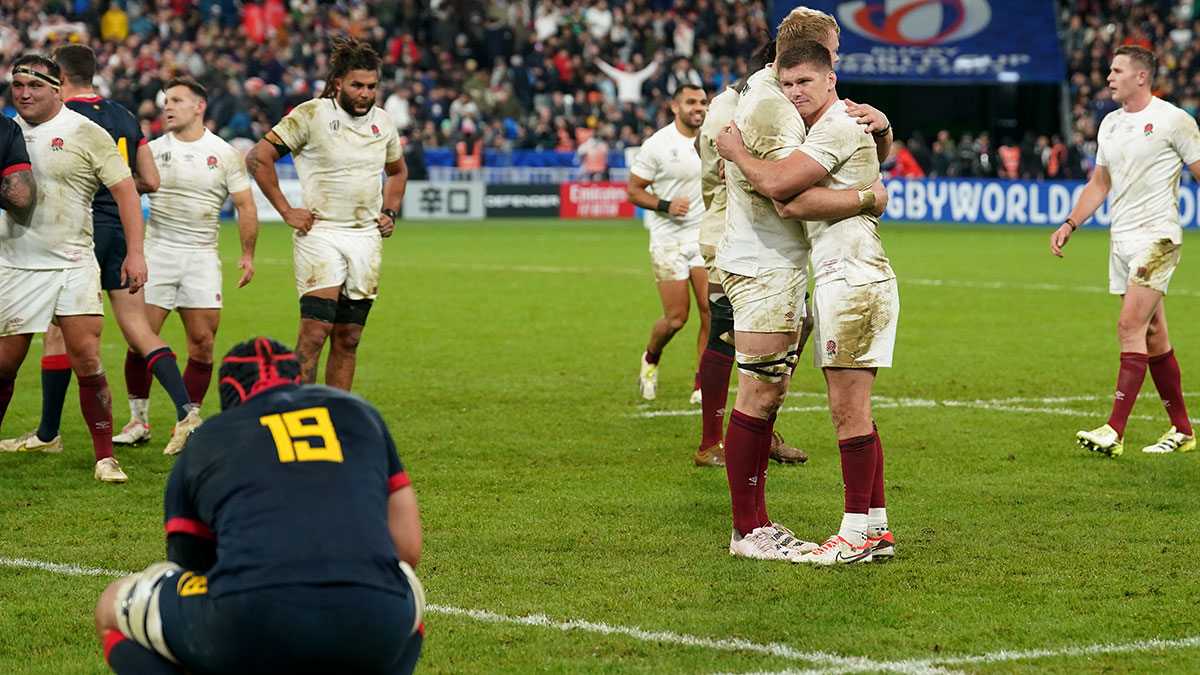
(17, 192)
(292, 531)
(148, 352)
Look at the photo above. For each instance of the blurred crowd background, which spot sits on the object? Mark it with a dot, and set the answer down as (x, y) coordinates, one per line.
(585, 77)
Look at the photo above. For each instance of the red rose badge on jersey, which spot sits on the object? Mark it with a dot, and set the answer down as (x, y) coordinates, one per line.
(56, 144)
(1148, 130)
(212, 162)
(375, 130)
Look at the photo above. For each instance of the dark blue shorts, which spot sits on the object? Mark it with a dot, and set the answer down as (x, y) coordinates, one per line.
(110, 253)
(292, 629)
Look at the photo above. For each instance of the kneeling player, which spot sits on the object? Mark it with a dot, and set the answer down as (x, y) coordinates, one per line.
(318, 532)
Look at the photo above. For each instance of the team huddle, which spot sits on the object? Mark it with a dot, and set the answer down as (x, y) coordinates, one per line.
(71, 169)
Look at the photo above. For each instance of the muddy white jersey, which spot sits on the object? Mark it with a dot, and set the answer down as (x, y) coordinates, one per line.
(71, 157)
(1144, 153)
(849, 248)
(720, 111)
(756, 237)
(340, 159)
(196, 178)
(668, 160)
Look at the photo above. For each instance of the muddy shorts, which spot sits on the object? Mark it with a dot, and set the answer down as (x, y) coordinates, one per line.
(331, 258)
(31, 299)
(1148, 263)
(674, 258)
(772, 302)
(855, 325)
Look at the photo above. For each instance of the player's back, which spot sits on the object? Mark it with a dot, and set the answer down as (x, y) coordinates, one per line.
(123, 127)
(293, 485)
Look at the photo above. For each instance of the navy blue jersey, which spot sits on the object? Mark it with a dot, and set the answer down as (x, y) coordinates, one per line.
(126, 132)
(292, 486)
(13, 155)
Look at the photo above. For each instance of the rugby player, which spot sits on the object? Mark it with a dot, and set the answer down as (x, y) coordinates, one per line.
(763, 259)
(854, 295)
(198, 172)
(78, 65)
(48, 269)
(341, 143)
(668, 165)
(1142, 149)
(717, 360)
(292, 533)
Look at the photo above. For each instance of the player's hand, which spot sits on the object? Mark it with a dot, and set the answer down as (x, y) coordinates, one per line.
(721, 169)
(1060, 238)
(730, 143)
(386, 226)
(872, 119)
(679, 207)
(301, 219)
(246, 265)
(133, 272)
(881, 197)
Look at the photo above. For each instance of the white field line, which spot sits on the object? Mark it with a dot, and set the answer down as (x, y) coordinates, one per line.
(827, 664)
(825, 659)
(1010, 404)
(1008, 656)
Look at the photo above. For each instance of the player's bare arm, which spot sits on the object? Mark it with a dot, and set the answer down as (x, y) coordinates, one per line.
(129, 205)
(18, 192)
(818, 203)
(639, 196)
(393, 194)
(260, 163)
(1093, 195)
(404, 523)
(1194, 168)
(875, 123)
(145, 171)
(247, 232)
(780, 180)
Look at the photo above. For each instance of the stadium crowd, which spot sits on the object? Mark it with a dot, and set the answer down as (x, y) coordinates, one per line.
(568, 75)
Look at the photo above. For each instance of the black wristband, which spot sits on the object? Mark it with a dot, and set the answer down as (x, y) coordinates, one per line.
(390, 214)
(664, 206)
(883, 132)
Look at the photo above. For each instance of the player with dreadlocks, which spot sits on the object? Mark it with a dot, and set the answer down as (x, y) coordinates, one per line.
(341, 142)
(292, 533)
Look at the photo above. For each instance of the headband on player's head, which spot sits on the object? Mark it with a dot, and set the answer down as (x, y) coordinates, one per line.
(38, 75)
(254, 366)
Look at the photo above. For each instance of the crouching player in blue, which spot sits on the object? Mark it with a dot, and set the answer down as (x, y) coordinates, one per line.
(292, 533)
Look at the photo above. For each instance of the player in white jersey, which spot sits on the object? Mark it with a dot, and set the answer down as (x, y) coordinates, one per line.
(854, 295)
(1143, 147)
(763, 258)
(668, 165)
(341, 143)
(198, 171)
(48, 271)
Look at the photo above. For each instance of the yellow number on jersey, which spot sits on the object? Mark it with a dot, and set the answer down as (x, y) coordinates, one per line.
(290, 428)
(123, 148)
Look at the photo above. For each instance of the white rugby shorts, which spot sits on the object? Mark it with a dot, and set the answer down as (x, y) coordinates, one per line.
(188, 278)
(855, 326)
(772, 302)
(1148, 262)
(338, 259)
(674, 258)
(31, 299)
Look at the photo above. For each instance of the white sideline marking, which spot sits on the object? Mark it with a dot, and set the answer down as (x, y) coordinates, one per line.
(828, 664)
(1006, 656)
(834, 661)
(1011, 404)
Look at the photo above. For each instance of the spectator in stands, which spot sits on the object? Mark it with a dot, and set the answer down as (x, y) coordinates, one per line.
(629, 82)
(593, 155)
(1010, 160)
(939, 161)
(902, 163)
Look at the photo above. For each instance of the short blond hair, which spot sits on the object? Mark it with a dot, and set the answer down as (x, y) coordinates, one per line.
(804, 24)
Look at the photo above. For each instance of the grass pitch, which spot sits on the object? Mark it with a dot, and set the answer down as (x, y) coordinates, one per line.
(566, 514)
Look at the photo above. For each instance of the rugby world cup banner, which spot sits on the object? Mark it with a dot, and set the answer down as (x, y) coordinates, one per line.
(926, 41)
(1007, 202)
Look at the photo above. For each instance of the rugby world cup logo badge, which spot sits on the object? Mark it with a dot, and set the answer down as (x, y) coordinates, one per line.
(915, 23)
